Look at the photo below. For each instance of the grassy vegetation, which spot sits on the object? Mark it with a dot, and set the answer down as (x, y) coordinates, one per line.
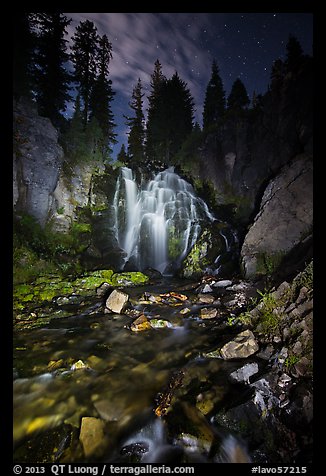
(267, 263)
(38, 250)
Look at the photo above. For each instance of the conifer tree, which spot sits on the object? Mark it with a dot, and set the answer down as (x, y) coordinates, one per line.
(102, 96)
(294, 55)
(122, 155)
(238, 98)
(136, 124)
(84, 57)
(277, 74)
(74, 139)
(177, 109)
(154, 124)
(24, 42)
(52, 80)
(214, 104)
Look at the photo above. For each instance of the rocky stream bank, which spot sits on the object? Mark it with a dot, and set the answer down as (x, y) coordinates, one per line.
(124, 367)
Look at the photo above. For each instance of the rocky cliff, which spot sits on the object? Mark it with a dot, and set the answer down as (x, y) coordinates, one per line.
(284, 220)
(37, 161)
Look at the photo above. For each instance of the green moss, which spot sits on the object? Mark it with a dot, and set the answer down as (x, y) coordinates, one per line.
(81, 228)
(43, 290)
(127, 279)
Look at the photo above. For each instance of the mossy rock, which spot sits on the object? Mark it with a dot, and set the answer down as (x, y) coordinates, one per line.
(204, 252)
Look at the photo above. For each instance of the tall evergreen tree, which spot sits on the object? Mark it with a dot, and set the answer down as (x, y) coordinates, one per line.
(74, 139)
(102, 96)
(24, 42)
(122, 155)
(51, 76)
(173, 120)
(294, 56)
(84, 57)
(137, 125)
(238, 98)
(277, 74)
(214, 105)
(153, 117)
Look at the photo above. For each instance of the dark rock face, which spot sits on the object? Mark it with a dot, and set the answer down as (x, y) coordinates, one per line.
(37, 161)
(284, 220)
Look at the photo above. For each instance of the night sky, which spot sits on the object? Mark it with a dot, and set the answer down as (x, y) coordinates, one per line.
(243, 44)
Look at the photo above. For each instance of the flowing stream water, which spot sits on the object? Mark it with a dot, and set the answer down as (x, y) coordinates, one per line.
(93, 365)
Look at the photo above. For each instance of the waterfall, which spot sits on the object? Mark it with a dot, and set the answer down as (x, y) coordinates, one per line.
(158, 222)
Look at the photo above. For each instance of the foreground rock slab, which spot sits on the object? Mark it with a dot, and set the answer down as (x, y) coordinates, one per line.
(91, 434)
(241, 347)
(117, 301)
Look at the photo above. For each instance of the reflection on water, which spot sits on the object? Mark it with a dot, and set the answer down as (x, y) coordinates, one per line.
(95, 366)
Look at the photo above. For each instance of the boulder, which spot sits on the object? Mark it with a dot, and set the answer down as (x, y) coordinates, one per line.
(244, 373)
(223, 283)
(91, 435)
(117, 301)
(241, 347)
(284, 220)
(140, 324)
(208, 313)
(203, 254)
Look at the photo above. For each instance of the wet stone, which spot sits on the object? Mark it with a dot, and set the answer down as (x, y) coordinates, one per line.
(266, 353)
(103, 289)
(117, 301)
(140, 324)
(223, 283)
(242, 346)
(79, 365)
(206, 299)
(55, 364)
(302, 368)
(207, 289)
(185, 310)
(244, 373)
(135, 449)
(208, 313)
(91, 434)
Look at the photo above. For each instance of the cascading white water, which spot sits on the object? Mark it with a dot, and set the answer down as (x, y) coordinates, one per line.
(158, 222)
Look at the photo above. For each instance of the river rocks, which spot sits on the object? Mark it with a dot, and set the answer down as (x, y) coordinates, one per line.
(208, 313)
(103, 289)
(244, 373)
(206, 298)
(79, 365)
(91, 435)
(117, 301)
(224, 283)
(140, 324)
(241, 347)
(284, 220)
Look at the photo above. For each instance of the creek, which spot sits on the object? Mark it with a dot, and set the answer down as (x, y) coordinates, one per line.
(93, 365)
